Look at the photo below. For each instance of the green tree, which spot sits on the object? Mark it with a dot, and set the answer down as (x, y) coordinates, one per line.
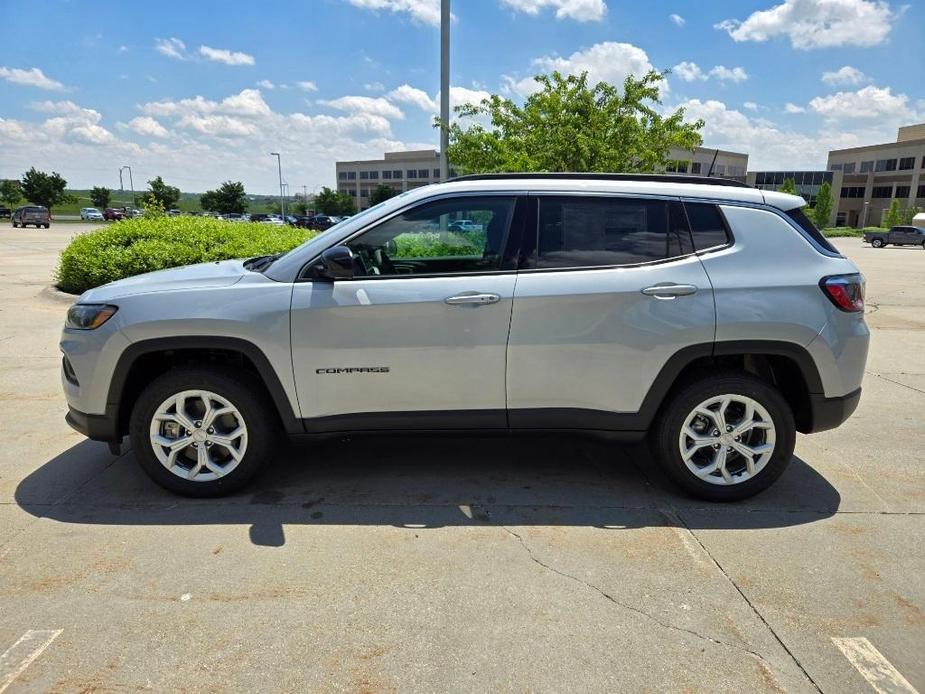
(166, 196)
(570, 126)
(906, 216)
(43, 189)
(228, 198)
(789, 186)
(822, 212)
(100, 196)
(334, 202)
(10, 193)
(893, 215)
(381, 193)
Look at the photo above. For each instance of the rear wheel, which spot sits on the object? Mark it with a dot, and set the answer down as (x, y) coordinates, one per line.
(877, 243)
(725, 437)
(203, 432)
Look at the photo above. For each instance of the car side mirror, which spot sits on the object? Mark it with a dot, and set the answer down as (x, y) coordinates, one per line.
(337, 263)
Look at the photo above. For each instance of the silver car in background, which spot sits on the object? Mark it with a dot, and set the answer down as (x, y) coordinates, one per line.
(708, 316)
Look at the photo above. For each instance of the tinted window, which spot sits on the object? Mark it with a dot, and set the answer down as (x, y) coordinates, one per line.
(802, 221)
(420, 241)
(707, 225)
(599, 231)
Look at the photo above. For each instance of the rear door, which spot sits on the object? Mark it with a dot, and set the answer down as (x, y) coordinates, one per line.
(611, 290)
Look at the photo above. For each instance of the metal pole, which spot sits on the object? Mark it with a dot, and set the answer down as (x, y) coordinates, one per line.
(132, 184)
(279, 163)
(121, 186)
(444, 88)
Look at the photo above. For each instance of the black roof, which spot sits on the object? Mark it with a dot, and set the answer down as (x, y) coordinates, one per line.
(651, 178)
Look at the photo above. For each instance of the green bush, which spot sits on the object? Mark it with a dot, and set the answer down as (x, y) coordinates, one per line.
(135, 246)
(841, 232)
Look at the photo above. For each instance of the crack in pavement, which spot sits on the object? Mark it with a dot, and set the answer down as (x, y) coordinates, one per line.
(898, 383)
(631, 608)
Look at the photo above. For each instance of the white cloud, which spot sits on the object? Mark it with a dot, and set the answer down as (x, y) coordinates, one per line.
(689, 72)
(793, 108)
(750, 105)
(307, 86)
(374, 87)
(374, 106)
(604, 62)
(145, 125)
(223, 55)
(92, 133)
(266, 84)
(463, 95)
(844, 75)
(59, 107)
(248, 102)
(727, 74)
(579, 10)
(677, 19)
(426, 11)
(867, 102)
(817, 23)
(172, 48)
(407, 94)
(217, 125)
(33, 77)
(123, 49)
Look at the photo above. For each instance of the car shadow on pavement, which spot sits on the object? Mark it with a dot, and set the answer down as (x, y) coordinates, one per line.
(421, 482)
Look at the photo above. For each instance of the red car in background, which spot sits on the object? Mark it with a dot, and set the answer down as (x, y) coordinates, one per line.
(114, 214)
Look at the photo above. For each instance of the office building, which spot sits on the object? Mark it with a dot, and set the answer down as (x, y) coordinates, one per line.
(704, 161)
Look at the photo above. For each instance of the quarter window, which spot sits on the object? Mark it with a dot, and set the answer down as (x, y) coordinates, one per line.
(708, 227)
(425, 240)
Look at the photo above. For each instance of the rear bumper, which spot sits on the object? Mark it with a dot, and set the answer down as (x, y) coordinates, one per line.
(828, 413)
(99, 427)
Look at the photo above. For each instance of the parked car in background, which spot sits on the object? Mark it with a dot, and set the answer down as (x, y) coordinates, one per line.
(133, 212)
(273, 220)
(259, 217)
(31, 215)
(321, 222)
(174, 212)
(897, 236)
(5, 212)
(292, 219)
(463, 225)
(91, 214)
(114, 214)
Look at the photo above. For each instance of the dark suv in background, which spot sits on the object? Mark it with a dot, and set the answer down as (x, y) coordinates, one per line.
(31, 214)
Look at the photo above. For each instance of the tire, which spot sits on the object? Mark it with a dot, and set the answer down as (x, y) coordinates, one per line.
(877, 243)
(253, 410)
(738, 482)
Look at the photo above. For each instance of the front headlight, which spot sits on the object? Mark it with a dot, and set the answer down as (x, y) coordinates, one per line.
(89, 316)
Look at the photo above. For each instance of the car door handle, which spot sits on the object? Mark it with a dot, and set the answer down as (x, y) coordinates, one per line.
(472, 299)
(669, 291)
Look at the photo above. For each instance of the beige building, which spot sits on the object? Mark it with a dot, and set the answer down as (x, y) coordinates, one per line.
(411, 169)
(873, 175)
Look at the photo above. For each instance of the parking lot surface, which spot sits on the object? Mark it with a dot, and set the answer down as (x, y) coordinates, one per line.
(461, 564)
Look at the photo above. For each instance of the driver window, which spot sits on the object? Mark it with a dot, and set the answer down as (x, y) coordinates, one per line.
(465, 234)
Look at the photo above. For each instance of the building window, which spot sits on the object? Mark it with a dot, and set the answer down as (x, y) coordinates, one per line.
(341, 175)
(396, 173)
(423, 173)
(386, 174)
(411, 173)
(364, 192)
(867, 166)
(352, 192)
(351, 175)
(374, 175)
(852, 192)
(436, 173)
(849, 167)
(695, 167)
(906, 163)
(364, 175)
(719, 170)
(921, 192)
(902, 191)
(882, 192)
(835, 167)
(885, 165)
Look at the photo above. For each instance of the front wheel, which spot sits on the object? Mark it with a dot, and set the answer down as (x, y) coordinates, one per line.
(877, 243)
(725, 437)
(203, 432)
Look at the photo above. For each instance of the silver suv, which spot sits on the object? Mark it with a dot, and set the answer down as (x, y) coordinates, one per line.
(709, 315)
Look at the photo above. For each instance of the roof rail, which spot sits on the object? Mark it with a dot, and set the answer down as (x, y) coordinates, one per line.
(650, 178)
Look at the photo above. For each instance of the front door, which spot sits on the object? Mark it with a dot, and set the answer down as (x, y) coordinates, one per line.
(417, 338)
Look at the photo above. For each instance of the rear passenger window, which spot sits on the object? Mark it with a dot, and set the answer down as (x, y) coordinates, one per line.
(707, 225)
(601, 231)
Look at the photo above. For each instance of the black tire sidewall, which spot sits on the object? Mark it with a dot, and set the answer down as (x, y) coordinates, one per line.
(243, 391)
(668, 429)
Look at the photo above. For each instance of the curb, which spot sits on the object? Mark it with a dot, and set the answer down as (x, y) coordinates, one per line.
(58, 296)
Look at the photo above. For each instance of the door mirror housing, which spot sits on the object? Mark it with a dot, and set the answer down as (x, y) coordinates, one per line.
(337, 263)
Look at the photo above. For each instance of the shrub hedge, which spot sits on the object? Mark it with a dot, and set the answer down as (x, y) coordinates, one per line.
(135, 246)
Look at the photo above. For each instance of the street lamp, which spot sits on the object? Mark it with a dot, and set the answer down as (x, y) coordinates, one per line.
(444, 88)
(279, 163)
(130, 181)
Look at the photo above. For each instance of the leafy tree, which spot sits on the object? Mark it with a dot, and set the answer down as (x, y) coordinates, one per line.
(893, 215)
(905, 217)
(789, 186)
(100, 196)
(822, 212)
(43, 189)
(10, 193)
(228, 198)
(381, 193)
(334, 202)
(166, 196)
(570, 126)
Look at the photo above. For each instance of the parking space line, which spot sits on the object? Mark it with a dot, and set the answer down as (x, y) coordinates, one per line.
(876, 669)
(20, 655)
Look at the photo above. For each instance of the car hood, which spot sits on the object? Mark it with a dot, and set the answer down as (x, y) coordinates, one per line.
(217, 274)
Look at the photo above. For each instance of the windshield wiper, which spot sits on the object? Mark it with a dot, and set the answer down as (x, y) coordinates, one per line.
(261, 262)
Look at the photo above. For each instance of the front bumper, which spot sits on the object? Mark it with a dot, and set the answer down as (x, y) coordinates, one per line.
(99, 427)
(828, 413)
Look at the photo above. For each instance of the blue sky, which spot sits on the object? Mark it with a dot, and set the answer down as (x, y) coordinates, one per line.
(202, 91)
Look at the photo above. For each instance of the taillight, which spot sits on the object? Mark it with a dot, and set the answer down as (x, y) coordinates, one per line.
(845, 291)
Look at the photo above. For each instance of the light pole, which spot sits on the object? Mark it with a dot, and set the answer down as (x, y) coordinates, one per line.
(130, 182)
(444, 88)
(279, 163)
